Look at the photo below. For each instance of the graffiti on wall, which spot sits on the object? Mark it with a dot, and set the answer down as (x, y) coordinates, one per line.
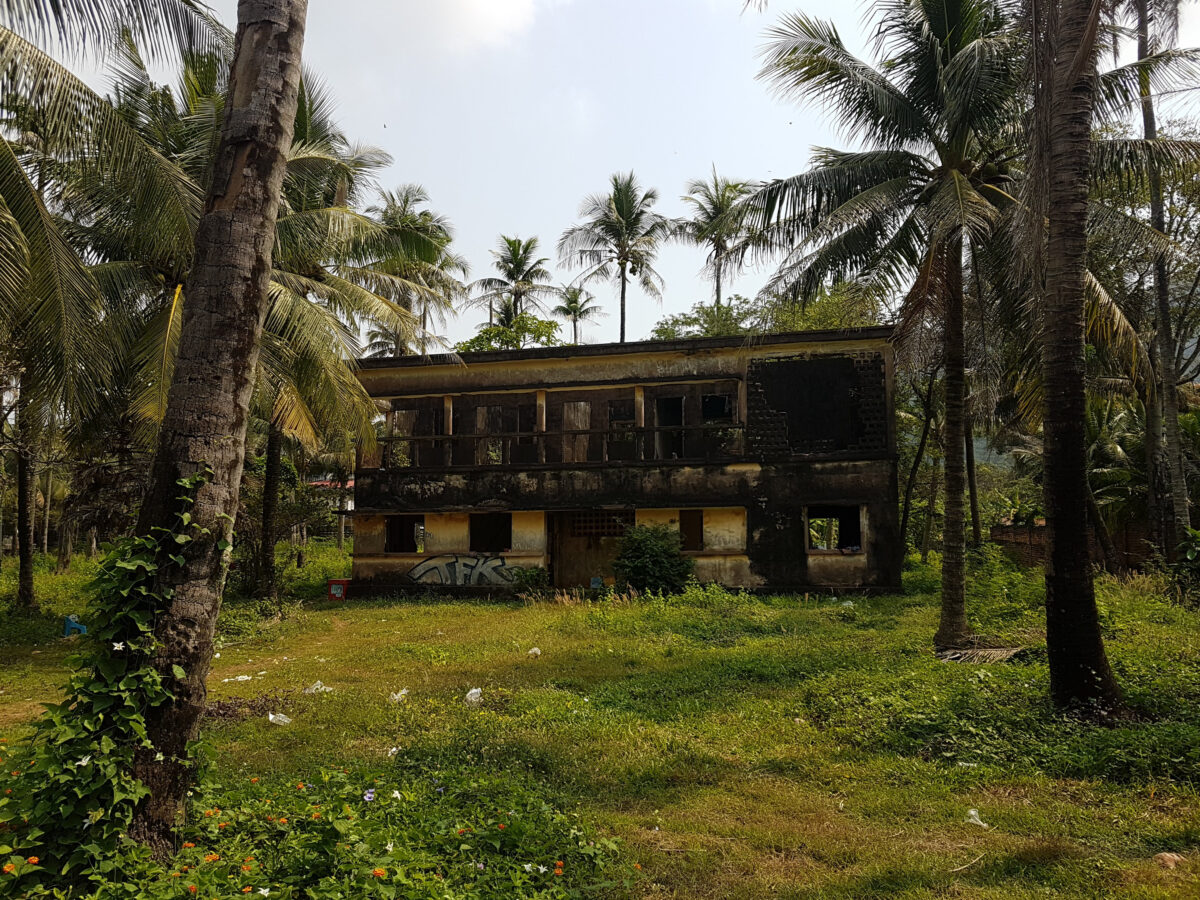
(462, 569)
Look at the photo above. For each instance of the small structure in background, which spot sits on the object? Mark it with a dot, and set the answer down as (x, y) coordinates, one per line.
(774, 457)
(72, 625)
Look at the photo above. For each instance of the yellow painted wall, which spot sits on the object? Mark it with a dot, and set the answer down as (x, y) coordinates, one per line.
(369, 535)
(447, 533)
(529, 533)
(725, 530)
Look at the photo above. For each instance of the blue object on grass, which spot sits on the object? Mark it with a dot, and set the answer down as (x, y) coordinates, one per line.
(72, 625)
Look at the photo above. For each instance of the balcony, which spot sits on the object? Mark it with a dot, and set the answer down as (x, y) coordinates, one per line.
(686, 445)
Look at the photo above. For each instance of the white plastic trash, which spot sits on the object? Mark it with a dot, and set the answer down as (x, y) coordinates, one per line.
(279, 719)
(474, 697)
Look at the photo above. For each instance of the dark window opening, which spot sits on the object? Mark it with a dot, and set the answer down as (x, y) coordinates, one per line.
(691, 529)
(404, 534)
(668, 413)
(525, 447)
(621, 423)
(491, 532)
(834, 529)
(716, 408)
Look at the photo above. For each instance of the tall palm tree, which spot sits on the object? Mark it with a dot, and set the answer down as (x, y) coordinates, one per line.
(204, 428)
(522, 277)
(1064, 96)
(619, 238)
(431, 288)
(903, 214)
(1157, 22)
(717, 222)
(577, 305)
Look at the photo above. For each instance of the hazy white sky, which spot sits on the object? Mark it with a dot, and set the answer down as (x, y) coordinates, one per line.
(509, 112)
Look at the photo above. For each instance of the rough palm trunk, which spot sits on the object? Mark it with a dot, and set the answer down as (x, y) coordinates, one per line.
(1157, 480)
(624, 285)
(953, 629)
(341, 532)
(927, 539)
(46, 514)
(270, 507)
(717, 267)
(204, 428)
(972, 484)
(1079, 672)
(911, 483)
(1176, 518)
(26, 598)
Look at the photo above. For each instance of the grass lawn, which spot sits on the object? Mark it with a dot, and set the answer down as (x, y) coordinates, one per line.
(739, 747)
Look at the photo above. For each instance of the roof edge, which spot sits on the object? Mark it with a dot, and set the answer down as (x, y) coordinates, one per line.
(874, 332)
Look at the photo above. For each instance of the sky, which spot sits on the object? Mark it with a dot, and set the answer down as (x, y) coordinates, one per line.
(510, 112)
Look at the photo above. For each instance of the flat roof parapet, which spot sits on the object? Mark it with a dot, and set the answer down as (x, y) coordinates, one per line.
(684, 345)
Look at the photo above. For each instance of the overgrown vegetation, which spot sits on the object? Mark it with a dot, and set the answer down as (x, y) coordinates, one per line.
(703, 731)
(650, 558)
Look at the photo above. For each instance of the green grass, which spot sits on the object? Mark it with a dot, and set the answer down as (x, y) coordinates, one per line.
(745, 747)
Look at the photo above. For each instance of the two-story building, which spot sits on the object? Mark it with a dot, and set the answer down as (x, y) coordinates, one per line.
(774, 456)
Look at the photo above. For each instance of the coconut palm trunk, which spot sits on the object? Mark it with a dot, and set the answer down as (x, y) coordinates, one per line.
(953, 629)
(270, 509)
(26, 599)
(1065, 57)
(204, 428)
(972, 483)
(1176, 518)
(911, 483)
(624, 286)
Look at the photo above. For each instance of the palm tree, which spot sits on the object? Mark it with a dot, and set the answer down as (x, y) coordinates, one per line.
(521, 277)
(900, 215)
(432, 288)
(718, 222)
(577, 306)
(619, 238)
(204, 428)
(1064, 96)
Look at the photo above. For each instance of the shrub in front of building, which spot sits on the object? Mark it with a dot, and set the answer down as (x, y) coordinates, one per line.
(649, 558)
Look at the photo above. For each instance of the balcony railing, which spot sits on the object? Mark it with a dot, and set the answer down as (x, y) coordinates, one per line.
(561, 449)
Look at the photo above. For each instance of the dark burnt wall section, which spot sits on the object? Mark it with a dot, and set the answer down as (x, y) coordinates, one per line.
(813, 405)
(775, 497)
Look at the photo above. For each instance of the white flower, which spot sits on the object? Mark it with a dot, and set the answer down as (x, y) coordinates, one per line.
(158, 757)
(83, 762)
(390, 846)
(266, 892)
(399, 697)
(543, 870)
(118, 645)
(216, 656)
(393, 751)
(396, 795)
(474, 696)
(535, 652)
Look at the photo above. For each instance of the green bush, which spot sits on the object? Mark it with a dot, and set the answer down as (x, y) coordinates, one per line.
(426, 834)
(649, 558)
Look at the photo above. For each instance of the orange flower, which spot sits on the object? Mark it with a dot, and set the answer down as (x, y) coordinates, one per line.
(246, 889)
(223, 825)
(188, 845)
(248, 859)
(501, 826)
(33, 860)
(192, 888)
(176, 874)
(379, 873)
(638, 866)
(8, 868)
(212, 857)
(254, 781)
(558, 863)
(283, 821)
(300, 786)
(247, 868)
(316, 815)
(15, 774)
(210, 813)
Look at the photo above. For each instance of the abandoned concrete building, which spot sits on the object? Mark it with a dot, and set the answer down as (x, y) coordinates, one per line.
(775, 457)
